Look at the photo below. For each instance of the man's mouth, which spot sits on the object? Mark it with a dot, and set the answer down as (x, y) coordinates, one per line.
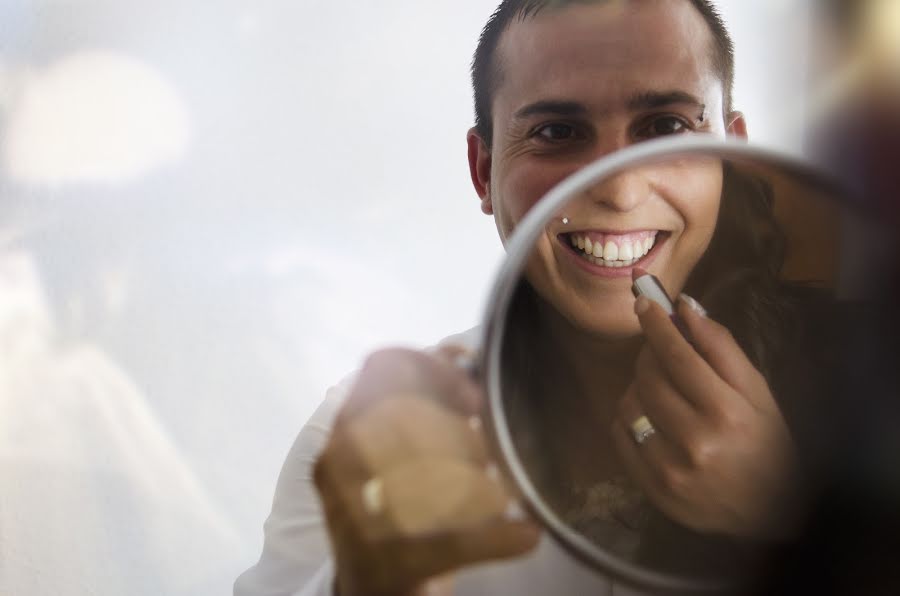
(612, 250)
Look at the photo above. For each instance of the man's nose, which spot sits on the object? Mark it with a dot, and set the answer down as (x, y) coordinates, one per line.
(622, 192)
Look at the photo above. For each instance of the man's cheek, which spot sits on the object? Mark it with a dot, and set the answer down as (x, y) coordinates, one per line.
(522, 197)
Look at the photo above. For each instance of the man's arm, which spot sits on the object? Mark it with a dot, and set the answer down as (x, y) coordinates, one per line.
(296, 556)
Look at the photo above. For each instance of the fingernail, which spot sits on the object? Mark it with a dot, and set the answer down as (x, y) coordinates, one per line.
(693, 304)
(475, 423)
(514, 512)
(465, 361)
(641, 305)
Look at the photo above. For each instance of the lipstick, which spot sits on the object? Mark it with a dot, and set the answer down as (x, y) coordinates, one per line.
(647, 284)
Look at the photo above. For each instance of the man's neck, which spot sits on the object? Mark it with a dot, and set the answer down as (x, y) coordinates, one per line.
(599, 368)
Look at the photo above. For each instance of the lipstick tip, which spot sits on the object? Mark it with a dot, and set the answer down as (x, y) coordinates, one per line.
(637, 273)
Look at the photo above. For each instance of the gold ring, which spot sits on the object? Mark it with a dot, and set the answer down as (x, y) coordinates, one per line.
(373, 496)
(641, 430)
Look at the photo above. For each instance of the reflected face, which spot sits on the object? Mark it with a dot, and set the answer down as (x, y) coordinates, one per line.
(583, 266)
(577, 84)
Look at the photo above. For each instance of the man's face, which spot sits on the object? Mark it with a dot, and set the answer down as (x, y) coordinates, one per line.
(581, 82)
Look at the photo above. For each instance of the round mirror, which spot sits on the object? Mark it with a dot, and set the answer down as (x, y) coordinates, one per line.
(775, 254)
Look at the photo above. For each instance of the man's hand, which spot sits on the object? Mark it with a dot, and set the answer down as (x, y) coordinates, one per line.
(721, 459)
(405, 479)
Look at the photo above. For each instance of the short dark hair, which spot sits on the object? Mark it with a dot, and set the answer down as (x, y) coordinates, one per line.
(484, 68)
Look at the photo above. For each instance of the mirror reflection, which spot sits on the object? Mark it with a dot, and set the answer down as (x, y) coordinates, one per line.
(682, 441)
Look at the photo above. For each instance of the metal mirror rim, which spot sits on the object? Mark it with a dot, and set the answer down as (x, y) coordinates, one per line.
(494, 323)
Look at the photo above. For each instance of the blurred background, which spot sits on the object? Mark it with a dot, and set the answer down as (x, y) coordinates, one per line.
(209, 213)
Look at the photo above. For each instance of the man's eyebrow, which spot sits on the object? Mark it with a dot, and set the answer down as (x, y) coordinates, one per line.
(646, 100)
(649, 100)
(556, 108)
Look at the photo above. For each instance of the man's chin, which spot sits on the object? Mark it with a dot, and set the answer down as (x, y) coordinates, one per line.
(607, 327)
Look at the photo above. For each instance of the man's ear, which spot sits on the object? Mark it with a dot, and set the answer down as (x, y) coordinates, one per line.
(480, 169)
(736, 125)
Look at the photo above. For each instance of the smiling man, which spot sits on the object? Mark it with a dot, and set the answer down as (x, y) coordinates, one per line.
(564, 83)
(362, 502)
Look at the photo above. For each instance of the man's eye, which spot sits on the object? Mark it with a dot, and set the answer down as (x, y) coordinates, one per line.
(664, 126)
(555, 132)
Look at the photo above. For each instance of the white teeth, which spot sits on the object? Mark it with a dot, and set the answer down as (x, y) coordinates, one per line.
(613, 264)
(610, 251)
(611, 254)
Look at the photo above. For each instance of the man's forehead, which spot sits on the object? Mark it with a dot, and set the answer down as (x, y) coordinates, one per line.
(625, 45)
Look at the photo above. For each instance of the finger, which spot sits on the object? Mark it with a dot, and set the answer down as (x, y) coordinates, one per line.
(629, 452)
(440, 586)
(339, 477)
(432, 556)
(692, 376)
(656, 480)
(498, 540)
(718, 347)
(425, 496)
(672, 415)
(399, 371)
(398, 428)
(469, 525)
(419, 497)
(459, 356)
(655, 450)
(465, 359)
